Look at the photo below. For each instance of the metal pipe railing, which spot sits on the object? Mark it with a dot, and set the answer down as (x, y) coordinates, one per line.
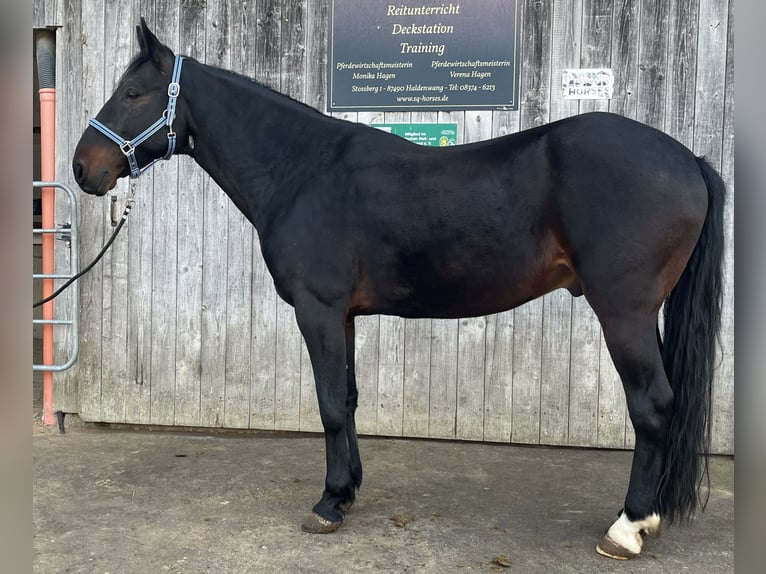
(69, 232)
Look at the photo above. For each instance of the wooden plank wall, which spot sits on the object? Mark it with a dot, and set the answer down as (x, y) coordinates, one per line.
(181, 324)
(46, 13)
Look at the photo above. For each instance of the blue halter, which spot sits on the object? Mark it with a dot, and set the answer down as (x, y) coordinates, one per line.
(128, 147)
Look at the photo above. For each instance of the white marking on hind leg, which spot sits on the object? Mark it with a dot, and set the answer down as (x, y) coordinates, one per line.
(628, 534)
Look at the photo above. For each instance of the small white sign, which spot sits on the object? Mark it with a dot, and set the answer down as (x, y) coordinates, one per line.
(587, 84)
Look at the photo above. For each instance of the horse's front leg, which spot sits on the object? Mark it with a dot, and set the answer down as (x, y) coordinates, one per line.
(323, 329)
(352, 400)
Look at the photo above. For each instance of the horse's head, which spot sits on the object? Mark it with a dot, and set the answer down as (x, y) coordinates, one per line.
(140, 101)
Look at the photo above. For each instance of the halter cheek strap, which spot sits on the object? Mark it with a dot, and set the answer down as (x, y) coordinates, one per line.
(128, 147)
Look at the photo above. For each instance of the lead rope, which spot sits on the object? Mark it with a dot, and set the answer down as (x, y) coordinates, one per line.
(128, 206)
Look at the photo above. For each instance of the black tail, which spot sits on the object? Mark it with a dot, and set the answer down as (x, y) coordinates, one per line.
(692, 322)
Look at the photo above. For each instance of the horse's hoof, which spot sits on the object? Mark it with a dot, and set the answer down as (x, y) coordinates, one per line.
(315, 524)
(609, 548)
(625, 538)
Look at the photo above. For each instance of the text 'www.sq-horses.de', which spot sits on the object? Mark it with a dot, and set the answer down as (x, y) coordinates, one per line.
(354, 221)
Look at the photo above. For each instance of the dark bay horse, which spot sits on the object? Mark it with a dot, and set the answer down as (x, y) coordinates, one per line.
(353, 221)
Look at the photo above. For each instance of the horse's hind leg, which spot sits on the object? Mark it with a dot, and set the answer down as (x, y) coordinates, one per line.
(322, 328)
(633, 345)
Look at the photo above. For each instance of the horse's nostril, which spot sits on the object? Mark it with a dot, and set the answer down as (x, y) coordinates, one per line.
(79, 171)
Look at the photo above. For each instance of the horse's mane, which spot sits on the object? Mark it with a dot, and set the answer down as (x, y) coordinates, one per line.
(249, 82)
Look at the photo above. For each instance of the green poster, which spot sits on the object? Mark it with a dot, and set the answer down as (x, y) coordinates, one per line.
(436, 135)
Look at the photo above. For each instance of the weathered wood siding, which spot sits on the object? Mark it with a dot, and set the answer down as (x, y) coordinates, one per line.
(181, 324)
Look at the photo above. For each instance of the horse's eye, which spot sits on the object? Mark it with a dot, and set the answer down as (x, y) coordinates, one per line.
(131, 94)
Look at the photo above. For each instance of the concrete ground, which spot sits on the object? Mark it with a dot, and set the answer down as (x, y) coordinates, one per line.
(120, 500)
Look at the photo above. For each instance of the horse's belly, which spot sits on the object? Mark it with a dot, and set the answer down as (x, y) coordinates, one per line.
(482, 292)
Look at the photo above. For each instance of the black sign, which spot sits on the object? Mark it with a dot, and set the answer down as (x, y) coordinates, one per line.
(423, 55)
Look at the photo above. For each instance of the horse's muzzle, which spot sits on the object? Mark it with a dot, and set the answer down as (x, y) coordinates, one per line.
(96, 170)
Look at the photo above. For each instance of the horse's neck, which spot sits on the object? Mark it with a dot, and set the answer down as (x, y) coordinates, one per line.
(249, 139)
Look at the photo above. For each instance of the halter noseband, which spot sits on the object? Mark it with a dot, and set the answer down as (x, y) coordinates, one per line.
(128, 147)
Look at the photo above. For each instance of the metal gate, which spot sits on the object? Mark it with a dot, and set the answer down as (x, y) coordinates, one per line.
(64, 232)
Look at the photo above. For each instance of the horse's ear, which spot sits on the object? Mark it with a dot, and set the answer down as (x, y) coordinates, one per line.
(153, 49)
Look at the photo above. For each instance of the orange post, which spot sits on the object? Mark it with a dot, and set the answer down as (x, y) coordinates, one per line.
(48, 197)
